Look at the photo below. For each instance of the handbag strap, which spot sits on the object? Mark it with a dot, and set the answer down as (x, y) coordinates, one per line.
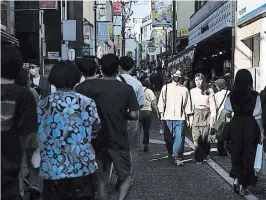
(122, 79)
(165, 99)
(222, 101)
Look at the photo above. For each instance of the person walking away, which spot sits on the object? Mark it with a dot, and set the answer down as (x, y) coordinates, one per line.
(88, 68)
(41, 81)
(220, 98)
(68, 122)
(30, 146)
(204, 109)
(126, 66)
(146, 115)
(117, 103)
(175, 107)
(18, 120)
(246, 130)
(157, 82)
(263, 107)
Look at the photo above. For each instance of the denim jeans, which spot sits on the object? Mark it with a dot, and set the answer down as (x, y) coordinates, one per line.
(175, 128)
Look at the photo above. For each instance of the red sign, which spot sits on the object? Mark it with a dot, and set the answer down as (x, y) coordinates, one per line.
(117, 8)
(48, 4)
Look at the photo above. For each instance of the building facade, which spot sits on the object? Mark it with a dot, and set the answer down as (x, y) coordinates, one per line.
(250, 40)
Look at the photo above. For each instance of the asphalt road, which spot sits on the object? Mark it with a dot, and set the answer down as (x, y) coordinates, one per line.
(158, 178)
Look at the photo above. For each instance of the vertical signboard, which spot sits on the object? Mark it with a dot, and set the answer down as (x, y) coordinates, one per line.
(48, 4)
(103, 31)
(117, 8)
(159, 37)
(162, 13)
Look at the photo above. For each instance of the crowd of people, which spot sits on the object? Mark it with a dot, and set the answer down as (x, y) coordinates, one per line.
(83, 118)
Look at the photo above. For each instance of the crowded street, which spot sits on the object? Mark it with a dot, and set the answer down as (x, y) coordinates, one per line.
(158, 178)
(133, 100)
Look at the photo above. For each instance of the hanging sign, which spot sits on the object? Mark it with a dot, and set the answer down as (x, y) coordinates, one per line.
(162, 13)
(103, 31)
(71, 54)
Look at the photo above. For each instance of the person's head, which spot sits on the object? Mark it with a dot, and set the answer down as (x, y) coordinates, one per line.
(145, 82)
(34, 69)
(11, 62)
(221, 83)
(109, 65)
(88, 67)
(199, 80)
(64, 75)
(177, 76)
(23, 78)
(126, 64)
(242, 87)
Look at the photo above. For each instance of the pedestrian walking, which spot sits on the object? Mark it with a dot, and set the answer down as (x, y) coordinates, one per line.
(117, 103)
(146, 115)
(246, 130)
(30, 146)
(175, 107)
(204, 108)
(18, 120)
(68, 122)
(41, 81)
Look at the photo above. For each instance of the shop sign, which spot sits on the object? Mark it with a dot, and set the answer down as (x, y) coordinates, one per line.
(248, 8)
(217, 21)
(48, 4)
(182, 32)
(145, 19)
(183, 62)
(117, 8)
(103, 31)
(53, 55)
(162, 13)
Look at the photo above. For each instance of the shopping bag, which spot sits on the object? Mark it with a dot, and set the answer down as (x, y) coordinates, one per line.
(258, 164)
(36, 158)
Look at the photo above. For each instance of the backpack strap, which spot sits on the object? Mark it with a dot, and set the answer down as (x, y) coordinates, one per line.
(165, 99)
(222, 101)
(122, 79)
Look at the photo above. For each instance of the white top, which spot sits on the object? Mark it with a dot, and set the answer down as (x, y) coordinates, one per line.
(172, 102)
(137, 86)
(149, 97)
(220, 98)
(36, 81)
(257, 112)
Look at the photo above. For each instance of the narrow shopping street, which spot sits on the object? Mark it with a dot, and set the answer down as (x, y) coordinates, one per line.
(159, 179)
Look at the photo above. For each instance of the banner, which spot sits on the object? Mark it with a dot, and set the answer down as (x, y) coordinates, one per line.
(162, 13)
(183, 62)
(48, 4)
(117, 8)
(182, 32)
(103, 31)
(159, 37)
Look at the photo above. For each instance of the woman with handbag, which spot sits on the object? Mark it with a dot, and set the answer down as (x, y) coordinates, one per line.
(146, 112)
(246, 130)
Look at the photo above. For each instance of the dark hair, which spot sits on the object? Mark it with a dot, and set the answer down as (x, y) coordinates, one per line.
(242, 88)
(23, 78)
(126, 63)
(205, 87)
(11, 62)
(109, 64)
(145, 82)
(200, 75)
(64, 75)
(88, 67)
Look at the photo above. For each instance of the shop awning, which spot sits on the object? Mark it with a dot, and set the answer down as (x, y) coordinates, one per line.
(9, 38)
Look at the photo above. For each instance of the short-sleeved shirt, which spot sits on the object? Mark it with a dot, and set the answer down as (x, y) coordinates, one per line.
(137, 86)
(65, 128)
(113, 99)
(18, 118)
(149, 97)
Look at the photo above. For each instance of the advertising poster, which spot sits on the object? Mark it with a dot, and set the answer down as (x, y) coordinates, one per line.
(159, 37)
(162, 13)
(48, 4)
(103, 31)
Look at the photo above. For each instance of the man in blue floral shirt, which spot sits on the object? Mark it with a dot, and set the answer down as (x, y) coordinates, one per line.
(67, 121)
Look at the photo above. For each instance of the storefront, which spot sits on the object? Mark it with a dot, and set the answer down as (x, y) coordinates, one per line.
(250, 40)
(212, 38)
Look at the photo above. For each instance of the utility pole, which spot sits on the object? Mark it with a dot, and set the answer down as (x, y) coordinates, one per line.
(95, 28)
(166, 48)
(123, 29)
(174, 28)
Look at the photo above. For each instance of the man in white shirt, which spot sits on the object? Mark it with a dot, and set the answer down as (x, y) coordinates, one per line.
(175, 107)
(42, 82)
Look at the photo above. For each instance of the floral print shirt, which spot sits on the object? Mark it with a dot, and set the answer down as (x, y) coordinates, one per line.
(65, 127)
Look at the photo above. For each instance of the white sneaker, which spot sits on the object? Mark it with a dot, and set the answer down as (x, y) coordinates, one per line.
(179, 162)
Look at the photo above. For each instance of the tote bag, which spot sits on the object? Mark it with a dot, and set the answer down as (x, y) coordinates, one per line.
(259, 164)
